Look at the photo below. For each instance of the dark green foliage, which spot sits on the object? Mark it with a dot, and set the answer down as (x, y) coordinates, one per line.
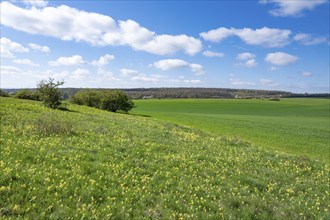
(110, 100)
(27, 94)
(3, 93)
(87, 97)
(49, 93)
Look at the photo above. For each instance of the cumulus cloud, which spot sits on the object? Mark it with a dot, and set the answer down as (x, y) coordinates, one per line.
(80, 74)
(280, 58)
(191, 81)
(237, 82)
(197, 69)
(219, 34)
(128, 72)
(25, 62)
(9, 48)
(247, 59)
(292, 8)
(209, 53)
(267, 37)
(36, 3)
(39, 48)
(307, 39)
(68, 23)
(67, 61)
(136, 76)
(103, 60)
(268, 82)
(245, 56)
(145, 78)
(10, 70)
(170, 64)
(250, 63)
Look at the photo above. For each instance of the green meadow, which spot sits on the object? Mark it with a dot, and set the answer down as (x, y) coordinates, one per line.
(191, 159)
(296, 126)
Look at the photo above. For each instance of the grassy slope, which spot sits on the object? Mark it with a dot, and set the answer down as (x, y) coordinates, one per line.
(90, 163)
(297, 126)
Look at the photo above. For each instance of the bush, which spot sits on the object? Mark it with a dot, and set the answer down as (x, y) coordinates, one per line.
(3, 93)
(49, 93)
(87, 97)
(27, 94)
(110, 100)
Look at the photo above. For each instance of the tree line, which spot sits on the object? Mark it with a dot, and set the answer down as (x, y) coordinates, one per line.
(164, 93)
(50, 94)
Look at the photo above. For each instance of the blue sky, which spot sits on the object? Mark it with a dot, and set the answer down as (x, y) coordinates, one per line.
(267, 44)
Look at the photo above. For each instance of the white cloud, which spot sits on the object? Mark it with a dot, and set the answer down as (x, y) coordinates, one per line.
(247, 59)
(237, 82)
(25, 62)
(209, 53)
(39, 48)
(8, 48)
(128, 72)
(144, 78)
(245, 56)
(197, 69)
(306, 73)
(307, 39)
(10, 70)
(218, 35)
(168, 44)
(268, 37)
(105, 75)
(136, 76)
(36, 3)
(67, 61)
(280, 58)
(80, 73)
(250, 63)
(170, 64)
(268, 82)
(68, 23)
(192, 81)
(292, 8)
(103, 60)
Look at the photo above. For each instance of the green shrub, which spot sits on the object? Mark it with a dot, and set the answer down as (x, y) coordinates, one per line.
(27, 94)
(87, 97)
(110, 100)
(3, 93)
(49, 93)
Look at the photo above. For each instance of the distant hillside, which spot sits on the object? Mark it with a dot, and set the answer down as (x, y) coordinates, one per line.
(222, 93)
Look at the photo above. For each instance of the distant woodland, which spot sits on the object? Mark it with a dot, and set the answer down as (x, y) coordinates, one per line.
(221, 93)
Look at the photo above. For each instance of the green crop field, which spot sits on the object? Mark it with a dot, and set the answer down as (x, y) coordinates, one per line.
(295, 126)
(85, 163)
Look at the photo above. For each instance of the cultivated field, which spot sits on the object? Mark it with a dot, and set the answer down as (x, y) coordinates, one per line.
(85, 163)
(296, 126)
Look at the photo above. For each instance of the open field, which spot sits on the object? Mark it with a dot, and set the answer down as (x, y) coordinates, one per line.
(296, 126)
(86, 163)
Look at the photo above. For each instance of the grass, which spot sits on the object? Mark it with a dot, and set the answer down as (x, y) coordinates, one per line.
(295, 126)
(92, 164)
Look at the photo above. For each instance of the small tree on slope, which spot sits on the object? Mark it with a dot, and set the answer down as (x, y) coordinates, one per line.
(49, 93)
